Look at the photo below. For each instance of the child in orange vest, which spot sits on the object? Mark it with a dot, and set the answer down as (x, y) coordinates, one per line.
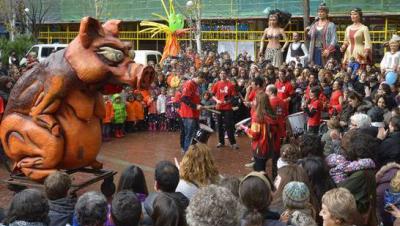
(139, 112)
(152, 112)
(109, 115)
(130, 114)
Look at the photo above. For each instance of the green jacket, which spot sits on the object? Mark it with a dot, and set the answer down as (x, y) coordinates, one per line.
(362, 185)
(119, 110)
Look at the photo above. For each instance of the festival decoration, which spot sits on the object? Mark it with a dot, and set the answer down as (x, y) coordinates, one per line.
(173, 30)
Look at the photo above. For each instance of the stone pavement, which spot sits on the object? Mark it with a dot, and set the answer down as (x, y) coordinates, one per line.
(145, 149)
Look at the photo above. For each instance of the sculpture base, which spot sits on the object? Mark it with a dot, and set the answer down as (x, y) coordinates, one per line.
(19, 181)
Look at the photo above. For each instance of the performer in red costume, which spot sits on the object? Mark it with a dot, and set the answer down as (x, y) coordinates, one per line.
(278, 107)
(224, 92)
(313, 109)
(190, 109)
(285, 88)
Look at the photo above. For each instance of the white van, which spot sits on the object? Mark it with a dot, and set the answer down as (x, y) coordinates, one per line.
(144, 56)
(43, 51)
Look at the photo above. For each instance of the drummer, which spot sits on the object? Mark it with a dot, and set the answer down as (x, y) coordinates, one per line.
(190, 109)
(224, 92)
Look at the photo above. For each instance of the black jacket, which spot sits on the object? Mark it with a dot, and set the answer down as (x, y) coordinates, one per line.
(389, 149)
(61, 211)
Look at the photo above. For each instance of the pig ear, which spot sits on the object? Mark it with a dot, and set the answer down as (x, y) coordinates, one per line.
(89, 30)
(112, 26)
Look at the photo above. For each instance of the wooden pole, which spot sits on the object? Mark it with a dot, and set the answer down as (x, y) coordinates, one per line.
(306, 17)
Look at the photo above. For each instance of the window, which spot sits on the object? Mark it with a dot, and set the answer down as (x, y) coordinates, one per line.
(60, 48)
(34, 49)
(152, 58)
(46, 51)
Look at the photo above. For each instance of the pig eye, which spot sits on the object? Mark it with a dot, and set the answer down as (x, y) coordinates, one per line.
(111, 54)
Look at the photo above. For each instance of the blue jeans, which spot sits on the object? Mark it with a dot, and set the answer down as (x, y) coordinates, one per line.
(190, 127)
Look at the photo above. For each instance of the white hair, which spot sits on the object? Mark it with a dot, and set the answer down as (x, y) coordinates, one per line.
(213, 205)
(360, 120)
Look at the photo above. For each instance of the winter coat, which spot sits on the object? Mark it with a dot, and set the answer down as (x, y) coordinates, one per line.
(119, 110)
(362, 185)
(61, 211)
(389, 149)
(330, 146)
(341, 168)
(383, 178)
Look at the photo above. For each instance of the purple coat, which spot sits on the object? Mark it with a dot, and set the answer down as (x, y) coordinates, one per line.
(383, 177)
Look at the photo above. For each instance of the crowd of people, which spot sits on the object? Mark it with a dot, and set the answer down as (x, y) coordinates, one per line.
(340, 168)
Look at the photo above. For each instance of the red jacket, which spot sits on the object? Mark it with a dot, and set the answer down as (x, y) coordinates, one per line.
(224, 91)
(190, 91)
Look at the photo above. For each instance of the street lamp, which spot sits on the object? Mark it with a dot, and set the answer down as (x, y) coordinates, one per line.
(26, 10)
(189, 7)
(189, 4)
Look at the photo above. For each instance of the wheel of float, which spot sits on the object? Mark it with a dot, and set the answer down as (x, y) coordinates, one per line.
(16, 188)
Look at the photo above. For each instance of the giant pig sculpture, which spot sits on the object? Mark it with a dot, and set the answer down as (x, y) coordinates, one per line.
(52, 120)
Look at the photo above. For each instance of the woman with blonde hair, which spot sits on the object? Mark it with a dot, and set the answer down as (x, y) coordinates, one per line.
(197, 169)
(338, 208)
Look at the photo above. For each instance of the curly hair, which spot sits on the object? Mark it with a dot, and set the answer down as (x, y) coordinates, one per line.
(310, 145)
(358, 145)
(198, 165)
(213, 205)
(290, 153)
(91, 209)
(282, 16)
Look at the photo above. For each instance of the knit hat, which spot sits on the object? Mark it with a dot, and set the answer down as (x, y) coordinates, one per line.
(395, 183)
(295, 195)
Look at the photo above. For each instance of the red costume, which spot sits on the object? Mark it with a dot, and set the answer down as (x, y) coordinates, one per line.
(334, 104)
(285, 90)
(315, 107)
(191, 91)
(321, 97)
(278, 106)
(224, 91)
(261, 132)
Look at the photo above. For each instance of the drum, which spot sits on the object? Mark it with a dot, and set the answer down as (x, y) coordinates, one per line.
(202, 134)
(297, 123)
